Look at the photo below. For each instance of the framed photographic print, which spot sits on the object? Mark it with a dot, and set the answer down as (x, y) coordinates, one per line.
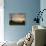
(17, 19)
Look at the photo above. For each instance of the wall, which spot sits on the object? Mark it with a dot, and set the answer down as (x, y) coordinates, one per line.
(1, 21)
(30, 7)
(43, 6)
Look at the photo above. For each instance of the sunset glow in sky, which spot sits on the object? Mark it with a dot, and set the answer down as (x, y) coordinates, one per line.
(18, 18)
